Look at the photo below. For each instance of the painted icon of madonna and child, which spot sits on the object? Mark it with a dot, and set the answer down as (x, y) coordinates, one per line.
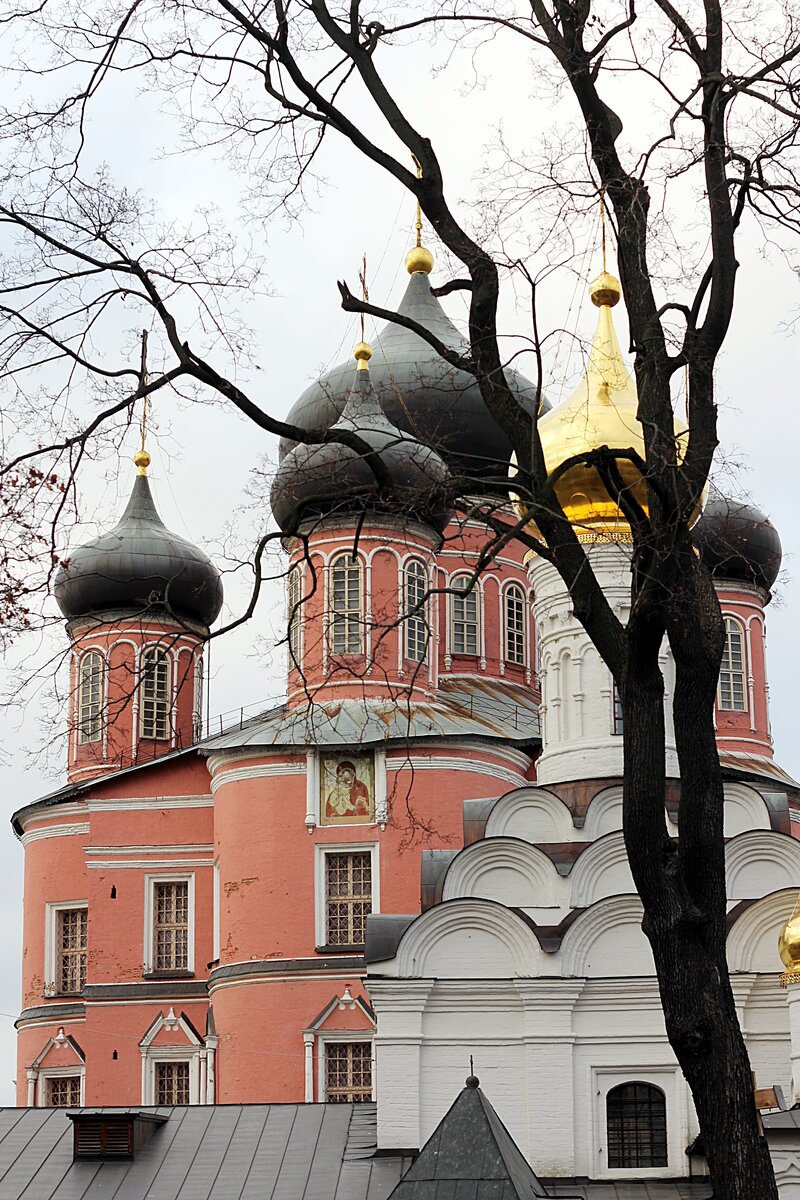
(348, 789)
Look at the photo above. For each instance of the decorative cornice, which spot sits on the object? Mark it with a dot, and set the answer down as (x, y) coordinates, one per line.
(51, 1013)
(75, 829)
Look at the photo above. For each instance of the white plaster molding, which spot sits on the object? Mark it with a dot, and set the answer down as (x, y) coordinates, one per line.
(602, 870)
(469, 939)
(532, 814)
(752, 941)
(504, 869)
(77, 829)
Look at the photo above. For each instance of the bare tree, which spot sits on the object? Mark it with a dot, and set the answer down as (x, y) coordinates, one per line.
(272, 82)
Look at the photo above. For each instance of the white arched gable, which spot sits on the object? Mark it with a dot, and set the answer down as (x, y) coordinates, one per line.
(604, 814)
(607, 941)
(468, 939)
(744, 809)
(532, 815)
(753, 938)
(507, 870)
(601, 870)
(760, 862)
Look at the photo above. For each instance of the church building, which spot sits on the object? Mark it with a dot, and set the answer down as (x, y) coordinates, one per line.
(417, 857)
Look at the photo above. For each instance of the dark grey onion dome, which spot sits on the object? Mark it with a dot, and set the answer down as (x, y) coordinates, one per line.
(314, 481)
(140, 565)
(420, 393)
(737, 541)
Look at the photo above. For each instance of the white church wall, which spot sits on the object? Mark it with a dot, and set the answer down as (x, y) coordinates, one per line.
(758, 862)
(753, 940)
(467, 939)
(601, 870)
(604, 814)
(507, 870)
(744, 809)
(607, 941)
(531, 814)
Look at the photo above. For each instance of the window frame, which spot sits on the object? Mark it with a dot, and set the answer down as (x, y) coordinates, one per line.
(294, 617)
(733, 622)
(148, 652)
(51, 946)
(149, 967)
(652, 1088)
(335, 1038)
(347, 616)
(151, 1055)
(617, 718)
(412, 621)
(97, 716)
(668, 1079)
(518, 592)
(472, 596)
(321, 850)
(45, 1074)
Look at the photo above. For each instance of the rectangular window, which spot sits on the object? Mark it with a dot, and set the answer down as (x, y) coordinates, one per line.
(731, 675)
(90, 698)
(348, 897)
(62, 1091)
(172, 1083)
(348, 1072)
(515, 626)
(616, 715)
(72, 926)
(155, 698)
(294, 616)
(416, 626)
(346, 607)
(464, 618)
(171, 925)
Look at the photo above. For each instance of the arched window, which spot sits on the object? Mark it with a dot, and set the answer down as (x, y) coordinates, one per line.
(90, 698)
(294, 616)
(417, 632)
(636, 1126)
(155, 693)
(515, 625)
(731, 693)
(464, 620)
(346, 629)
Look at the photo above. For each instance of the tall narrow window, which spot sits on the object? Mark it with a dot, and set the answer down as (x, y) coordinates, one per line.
(616, 711)
(72, 926)
(416, 625)
(294, 616)
(515, 625)
(348, 897)
(464, 617)
(171, 925)
(636, 1126)
(155, 697)
(348, 1072)
(731, 692)
(90, 698)
(172, 1083)
(346, 606)
(62, 1091)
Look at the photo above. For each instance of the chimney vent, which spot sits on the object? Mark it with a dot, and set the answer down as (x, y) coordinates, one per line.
(112, 1133)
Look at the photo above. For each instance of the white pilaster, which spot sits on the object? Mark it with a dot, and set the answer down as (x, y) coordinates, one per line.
(398, 1044)
(32, 1073)
(308, 1049)
(211, 1074)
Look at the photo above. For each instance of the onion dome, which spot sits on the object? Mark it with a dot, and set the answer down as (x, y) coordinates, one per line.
(141, 565)
(737, 541)
(314, 480)
(420, 393)
(602, 411)
(789, 947)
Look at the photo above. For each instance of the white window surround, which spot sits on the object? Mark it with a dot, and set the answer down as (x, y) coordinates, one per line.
(669, 1080)
(354, 1035)
(515, 624)
(155, 1054)
(465, 611)
(294, 616)
(45, 1073)
(346, 619)
(91, 693)
(320, 850)
(51, 912)
(148, 958)
(156, 700)
(734, 668)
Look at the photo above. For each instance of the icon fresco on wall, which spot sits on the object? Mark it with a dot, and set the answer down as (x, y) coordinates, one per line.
(347, 784)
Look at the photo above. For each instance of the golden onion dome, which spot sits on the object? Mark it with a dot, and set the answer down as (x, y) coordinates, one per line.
(602, 411)
(419, 258)
(789, 947)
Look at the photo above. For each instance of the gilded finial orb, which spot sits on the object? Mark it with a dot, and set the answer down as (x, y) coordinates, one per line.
(419, 258)
(141, 460)
(362, 354)
(789, 949)
(605, 290)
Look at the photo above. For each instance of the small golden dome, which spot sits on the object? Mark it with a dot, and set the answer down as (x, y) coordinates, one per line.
(362, 354)
(601, 412)
(419, 258)
(141, 461)
(789, 947)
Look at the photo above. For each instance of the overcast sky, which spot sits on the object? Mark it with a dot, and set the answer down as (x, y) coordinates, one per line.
(203, 456)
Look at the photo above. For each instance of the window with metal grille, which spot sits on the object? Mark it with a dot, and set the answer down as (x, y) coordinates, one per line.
(345, 604)
(172, 1082)
(90, 698)
(731, 693)
(616, 711)
(464, 617)
(72, 925)
(171, 925)
(416, 625)
(636, 1126)
(348, 897)
(155, 698)
(294, 616)
(348, 1072)
(515, 626)
(63, 1091)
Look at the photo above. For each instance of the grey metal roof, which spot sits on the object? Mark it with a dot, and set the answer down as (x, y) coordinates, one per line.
(460, 708)
(653, 1189)
(221, 1152)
